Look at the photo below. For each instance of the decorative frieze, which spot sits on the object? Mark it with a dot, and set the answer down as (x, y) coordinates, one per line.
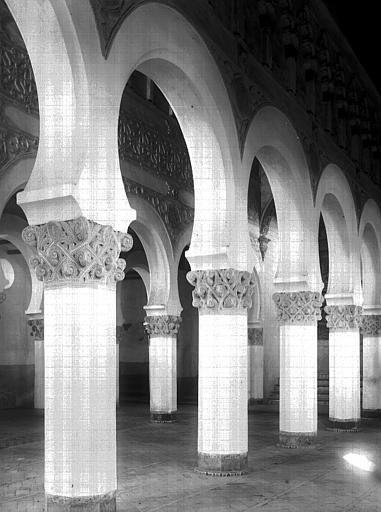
(162, 325)
(15, 144)
(255, 336)
(36, 326)
(174, 213)
(164, 156)
(221, 289)
(298, 307)
(16, 77)
(77, 251)
(371, 325)
(343, 317)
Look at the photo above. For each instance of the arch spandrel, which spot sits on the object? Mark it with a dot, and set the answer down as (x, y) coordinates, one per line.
(273, 140)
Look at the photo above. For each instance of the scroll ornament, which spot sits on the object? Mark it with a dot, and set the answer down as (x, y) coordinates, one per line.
(298, 307)
(221, 289)
(371, 325)
(162, 325)
(343, 317)
(77, 250)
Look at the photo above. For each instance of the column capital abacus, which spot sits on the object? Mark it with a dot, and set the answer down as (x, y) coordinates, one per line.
(298, 308)
(36, 326)
(371, 325)
(162, 325)
(77, 251)
(222, 289)
(343, 317)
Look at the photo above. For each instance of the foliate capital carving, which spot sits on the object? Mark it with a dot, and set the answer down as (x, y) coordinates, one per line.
(77, 251)
(371, 325)
(162, 325)
(255, 336)
(343, 317)
(221, 289)
(36, 326)
(298, 307)
(2, 297)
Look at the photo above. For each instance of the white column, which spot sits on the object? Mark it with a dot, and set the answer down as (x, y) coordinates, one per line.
(298, 313)
(344, 366)
(78, 262)
(371, 368)
(255, 363)
(119, 331)
(222, 297)
(36, 326)
(162, 331)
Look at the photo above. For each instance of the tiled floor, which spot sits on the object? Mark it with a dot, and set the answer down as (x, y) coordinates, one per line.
(156, 467)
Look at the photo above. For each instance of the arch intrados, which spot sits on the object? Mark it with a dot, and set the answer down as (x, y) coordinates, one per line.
(272, 133)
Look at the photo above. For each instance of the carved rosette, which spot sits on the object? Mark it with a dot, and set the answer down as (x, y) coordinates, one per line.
(371, 325)
(221, 289)
(298, 307)
(255, 337)
(77, 251)
(36, 326)
(343, 317)
(162, 325)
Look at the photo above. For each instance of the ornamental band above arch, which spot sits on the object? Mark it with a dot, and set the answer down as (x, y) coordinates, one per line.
(77, 251)
(221, 289)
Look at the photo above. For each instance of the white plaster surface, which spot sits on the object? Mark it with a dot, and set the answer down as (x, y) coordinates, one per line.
(39, 387)
(222, 393)
(80, 377)
(162, 374)
(255, 365)
(371, 353)
(298, 378)
(344, 374)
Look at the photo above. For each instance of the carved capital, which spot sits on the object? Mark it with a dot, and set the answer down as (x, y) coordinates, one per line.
(371, 325)
(2, 297)
(36, 326)
(162, 325)
(343, 317)
(255, 336)
(298, 307)
(77, 251)
(221, 289)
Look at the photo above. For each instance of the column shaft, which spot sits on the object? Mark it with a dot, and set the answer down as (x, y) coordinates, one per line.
(371, 353)
(78, 262)
(298, 384)
(162, 331)
(344, 366)
(298, 313)
(255, 363)
(222, 393)
(39, 379)
(222, 297)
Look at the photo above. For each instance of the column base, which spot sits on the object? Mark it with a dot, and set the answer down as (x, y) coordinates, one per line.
(163, 417)
(371, 413)
(350, 425)
(97, 503)
(233, 464)
(297, 439)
